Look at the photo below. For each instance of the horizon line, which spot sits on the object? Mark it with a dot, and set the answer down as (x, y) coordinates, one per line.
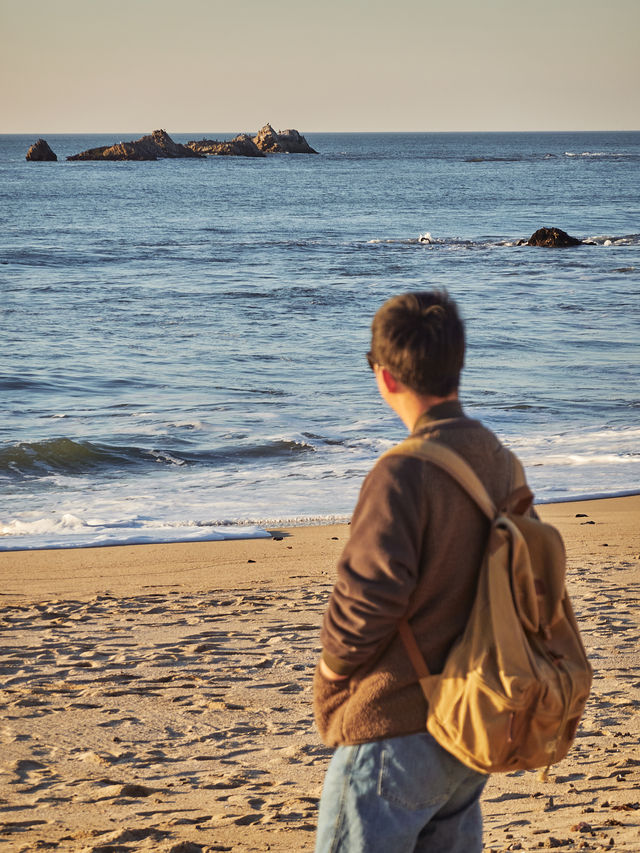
(379, 132)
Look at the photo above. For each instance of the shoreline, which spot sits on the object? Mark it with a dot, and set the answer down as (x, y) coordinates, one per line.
(159, 696)
(34, 574)
(585, 498)
(234, 530)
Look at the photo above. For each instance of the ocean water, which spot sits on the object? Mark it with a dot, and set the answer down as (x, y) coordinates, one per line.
(183, 341)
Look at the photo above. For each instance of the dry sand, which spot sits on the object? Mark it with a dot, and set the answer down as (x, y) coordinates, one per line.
(158, 698)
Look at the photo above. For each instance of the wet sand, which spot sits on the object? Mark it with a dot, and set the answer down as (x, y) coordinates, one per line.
(158, 698)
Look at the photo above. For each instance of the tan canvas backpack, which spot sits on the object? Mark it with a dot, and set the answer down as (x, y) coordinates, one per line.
(515, 684)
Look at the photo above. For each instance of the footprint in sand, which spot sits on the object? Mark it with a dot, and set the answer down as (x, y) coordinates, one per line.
(31, 773)
(8, 735)
(105, 759)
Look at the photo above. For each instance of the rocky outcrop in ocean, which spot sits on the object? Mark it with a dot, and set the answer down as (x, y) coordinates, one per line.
(240, 146)
(282, 142)
(552, 237)
(266, 141)
(157, 146)
(40, 151)
(294, 143)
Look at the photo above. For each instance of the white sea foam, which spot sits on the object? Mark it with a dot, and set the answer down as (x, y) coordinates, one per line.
(72, 532)
(607, 240)
(621, 439)
(165, 457)
(558, 465)
(67, 524)
(599, 459)
(597, 154)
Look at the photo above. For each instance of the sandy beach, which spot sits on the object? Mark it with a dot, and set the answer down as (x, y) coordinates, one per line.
(158, 698)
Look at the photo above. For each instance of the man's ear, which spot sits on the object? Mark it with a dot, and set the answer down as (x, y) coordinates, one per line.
(391, 384)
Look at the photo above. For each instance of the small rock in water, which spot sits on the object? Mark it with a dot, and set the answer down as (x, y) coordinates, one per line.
(552, 238)
(40, 151)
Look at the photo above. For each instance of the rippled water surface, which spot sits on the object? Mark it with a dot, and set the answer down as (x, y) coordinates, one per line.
(183, 341)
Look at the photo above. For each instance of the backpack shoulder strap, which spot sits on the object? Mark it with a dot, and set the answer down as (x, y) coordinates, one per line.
(456, 467)
(453, 464)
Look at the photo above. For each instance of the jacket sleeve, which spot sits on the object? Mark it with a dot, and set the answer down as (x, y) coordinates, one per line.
(379, 568)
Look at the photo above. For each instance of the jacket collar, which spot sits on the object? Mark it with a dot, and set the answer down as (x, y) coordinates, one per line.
(440, 412)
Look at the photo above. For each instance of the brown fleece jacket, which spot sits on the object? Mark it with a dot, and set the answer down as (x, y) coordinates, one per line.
(415, 549)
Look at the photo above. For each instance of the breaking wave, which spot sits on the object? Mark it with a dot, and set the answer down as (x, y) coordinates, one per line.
(29, 460)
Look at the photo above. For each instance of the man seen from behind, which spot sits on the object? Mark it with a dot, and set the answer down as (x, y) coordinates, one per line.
(415, 550)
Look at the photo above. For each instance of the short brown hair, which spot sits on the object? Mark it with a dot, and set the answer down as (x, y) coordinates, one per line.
(419, 338)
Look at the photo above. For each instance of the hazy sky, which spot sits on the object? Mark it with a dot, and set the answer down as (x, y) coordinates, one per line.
(318, 65)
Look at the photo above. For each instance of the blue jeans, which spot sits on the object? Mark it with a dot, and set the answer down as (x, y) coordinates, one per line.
(399, 795)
